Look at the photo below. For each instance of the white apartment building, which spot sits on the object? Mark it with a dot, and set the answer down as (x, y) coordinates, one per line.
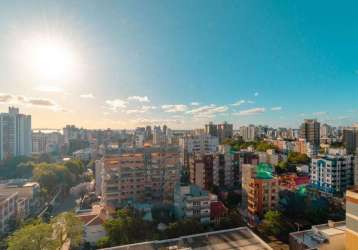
(197, 144)
(15, 134)
(46, 142)
(248, 133)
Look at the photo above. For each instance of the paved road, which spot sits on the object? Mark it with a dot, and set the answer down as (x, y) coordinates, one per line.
(67, 204)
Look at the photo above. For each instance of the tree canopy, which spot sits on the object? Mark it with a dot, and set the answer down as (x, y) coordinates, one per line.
(37, 235)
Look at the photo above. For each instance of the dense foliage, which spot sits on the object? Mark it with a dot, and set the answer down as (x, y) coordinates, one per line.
(258, 145)
(50, 236)
(55, 175)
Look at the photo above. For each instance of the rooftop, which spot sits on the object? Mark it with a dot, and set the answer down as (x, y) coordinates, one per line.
(237, 238)
(319, 234)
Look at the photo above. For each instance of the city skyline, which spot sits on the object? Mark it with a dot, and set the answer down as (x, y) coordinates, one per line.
(130, 63)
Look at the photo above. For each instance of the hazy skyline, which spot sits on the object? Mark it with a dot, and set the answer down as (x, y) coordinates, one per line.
(122, 64)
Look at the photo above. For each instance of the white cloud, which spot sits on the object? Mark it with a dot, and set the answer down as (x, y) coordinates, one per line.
(256, 94)
(195, 104)
(87, 96)
(141, 110)
(253, 111)
(49, 89)
(208, 110)
(173, 108)
(138, 98)
(116, 104)
(29, 101)
(6, 98)
(320, 113)
(238, 103)
(276, 108)
(250, 102)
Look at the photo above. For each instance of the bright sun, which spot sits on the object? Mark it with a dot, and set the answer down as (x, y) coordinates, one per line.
(50, 59)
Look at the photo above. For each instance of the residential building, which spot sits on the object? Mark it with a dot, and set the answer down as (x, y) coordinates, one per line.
(263, 191)
(310, 131)
(248, 133)
(228, 239)
(197, 144)
(140, 174)
(15, 134)
(211, 129)
(70, 132)
(93, 220)
(333, 174)
(139, 137)
(350, 139)
(325, 131)
(201, 170)
(330, 236)
(225, 131)
(28, 196)
(7, 210)
(352, 219)
(271, 157)
(213, 169)
(191, 201)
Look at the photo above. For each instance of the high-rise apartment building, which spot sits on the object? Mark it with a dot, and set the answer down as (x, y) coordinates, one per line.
(213, 169)
(333, 174)
(211, 129)
(15, 134)
(310, 131)
(325, 131)
(225, 131)
(196, 144)
(140, 174)
(350, 139)
(248, 133)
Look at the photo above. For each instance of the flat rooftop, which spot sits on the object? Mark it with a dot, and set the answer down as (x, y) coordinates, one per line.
(238, 238)
(319, 234)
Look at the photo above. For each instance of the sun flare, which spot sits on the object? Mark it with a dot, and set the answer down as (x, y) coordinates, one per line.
(50, 59)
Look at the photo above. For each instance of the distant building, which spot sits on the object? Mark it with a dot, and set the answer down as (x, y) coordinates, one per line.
(350, 139)
(271, 157)
(333, 174)
(211, 129)
(225, 131)
(15, 134)
(198, 145)
(248, 133)
(310, 131)
(139, 174)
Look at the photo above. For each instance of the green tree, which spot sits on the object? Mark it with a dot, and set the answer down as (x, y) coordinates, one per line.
(33, 237)
(272, 223)
(68, 227)
(128, 227)
(183, 227)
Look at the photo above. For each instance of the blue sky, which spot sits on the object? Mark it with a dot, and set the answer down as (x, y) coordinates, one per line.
(139, 62)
